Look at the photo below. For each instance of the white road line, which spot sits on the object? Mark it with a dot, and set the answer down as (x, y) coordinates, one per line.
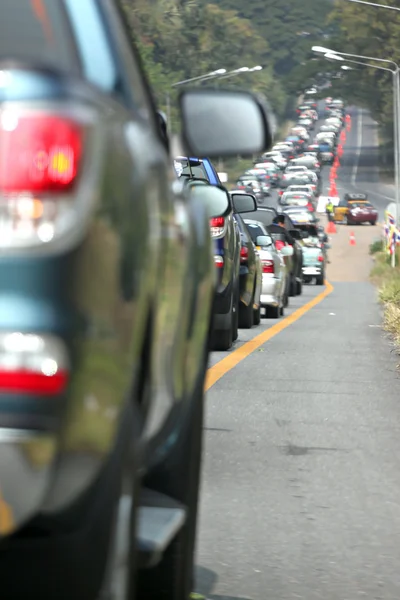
(359, 143)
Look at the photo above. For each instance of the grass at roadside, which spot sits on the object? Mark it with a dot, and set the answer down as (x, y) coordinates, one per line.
(387, 280)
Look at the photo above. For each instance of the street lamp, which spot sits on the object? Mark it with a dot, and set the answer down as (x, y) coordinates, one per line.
(335, 55)
(396, 118)
(210, 75)
(240, 71)
(375, 4)
(197, 79)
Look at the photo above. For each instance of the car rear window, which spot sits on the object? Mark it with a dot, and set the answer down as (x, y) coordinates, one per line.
(37, 30)
(264, 216)
(254, 230)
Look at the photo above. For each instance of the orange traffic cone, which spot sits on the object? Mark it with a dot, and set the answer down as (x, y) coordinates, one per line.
(343, 136)
(336, 162)
(333, 190)
(352, 239)
(331, 227)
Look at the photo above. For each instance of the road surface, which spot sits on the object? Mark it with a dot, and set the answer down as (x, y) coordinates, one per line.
(301, 476)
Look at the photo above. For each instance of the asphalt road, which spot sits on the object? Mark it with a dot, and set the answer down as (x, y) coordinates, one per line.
(301, 476)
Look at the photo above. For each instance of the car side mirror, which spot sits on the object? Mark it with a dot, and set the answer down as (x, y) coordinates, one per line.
(263, 241)
(243, 203)
(225, 123)
(215, 197)
(287, 251)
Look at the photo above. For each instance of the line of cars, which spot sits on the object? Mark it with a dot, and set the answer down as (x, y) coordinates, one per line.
(108, 279)
(262, 254)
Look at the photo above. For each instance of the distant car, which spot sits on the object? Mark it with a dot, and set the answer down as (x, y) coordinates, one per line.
(327, 153)
(300, 215)
(302, 189)
(359, 213)
(314, 258)
(200, 168)
(226, 238)
(250, 278)
(276, 157)
(275, 280)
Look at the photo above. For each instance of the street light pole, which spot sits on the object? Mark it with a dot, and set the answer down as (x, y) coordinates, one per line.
(335, 55)
(375, 4)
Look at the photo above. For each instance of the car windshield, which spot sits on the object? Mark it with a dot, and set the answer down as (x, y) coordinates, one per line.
(184, 168)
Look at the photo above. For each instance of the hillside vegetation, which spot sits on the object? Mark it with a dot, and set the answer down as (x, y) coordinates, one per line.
(183, 39)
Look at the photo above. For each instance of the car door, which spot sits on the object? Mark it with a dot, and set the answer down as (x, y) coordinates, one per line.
(143, 227)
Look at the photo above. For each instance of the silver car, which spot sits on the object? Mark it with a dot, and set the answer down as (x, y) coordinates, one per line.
(275, 281)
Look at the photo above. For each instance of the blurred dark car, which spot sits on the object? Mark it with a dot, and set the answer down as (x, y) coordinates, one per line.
(107, 283)
(250, 277)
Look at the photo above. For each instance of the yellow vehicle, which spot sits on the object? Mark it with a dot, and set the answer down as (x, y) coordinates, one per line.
(341, 211)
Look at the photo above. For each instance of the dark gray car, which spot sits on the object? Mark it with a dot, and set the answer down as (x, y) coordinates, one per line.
(107, 280)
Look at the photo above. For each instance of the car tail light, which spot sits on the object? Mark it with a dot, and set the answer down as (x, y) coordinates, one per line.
(244, 254)
(280, 192)
(32, 364)
(310, 207)
(41, 171)
(217, 226)
(267, 266)
(320, 258)
(218, 261)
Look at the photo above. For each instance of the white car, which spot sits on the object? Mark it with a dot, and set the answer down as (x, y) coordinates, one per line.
(276, 157)
(275, 281)
(301, 189)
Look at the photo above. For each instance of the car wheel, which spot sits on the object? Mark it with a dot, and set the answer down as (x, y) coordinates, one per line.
(173, 577)
(320, 279)
(345, 220)
(257, 315)
(273, 312)
(292, 286)
(373, 222)
(299, 287)
(221, 339)
(246, 314)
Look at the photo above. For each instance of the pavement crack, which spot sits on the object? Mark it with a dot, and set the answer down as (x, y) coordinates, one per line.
(293, 450)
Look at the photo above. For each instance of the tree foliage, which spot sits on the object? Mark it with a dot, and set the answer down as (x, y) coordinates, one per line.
(373, 32)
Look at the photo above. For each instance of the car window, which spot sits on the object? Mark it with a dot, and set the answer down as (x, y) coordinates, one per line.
(98, 63)
(254, 230)
(264, 216)
(39, 32)
(197, 171)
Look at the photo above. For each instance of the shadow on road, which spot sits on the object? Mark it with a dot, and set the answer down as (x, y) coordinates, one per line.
(205, 583)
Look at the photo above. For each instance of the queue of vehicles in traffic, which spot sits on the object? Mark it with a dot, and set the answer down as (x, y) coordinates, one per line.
(264, 254)
(108, 275)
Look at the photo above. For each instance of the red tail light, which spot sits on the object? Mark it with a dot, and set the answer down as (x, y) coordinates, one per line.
(217, 226)
(218, 261)
(310, 207)
(280, 192)
(267, 266)
(320, 258)
(39, 153)
(244, 254)
(32, 364)
(41, 175)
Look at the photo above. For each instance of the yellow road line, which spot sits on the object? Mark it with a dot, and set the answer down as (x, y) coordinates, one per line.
(228, 363)
(6, 517)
